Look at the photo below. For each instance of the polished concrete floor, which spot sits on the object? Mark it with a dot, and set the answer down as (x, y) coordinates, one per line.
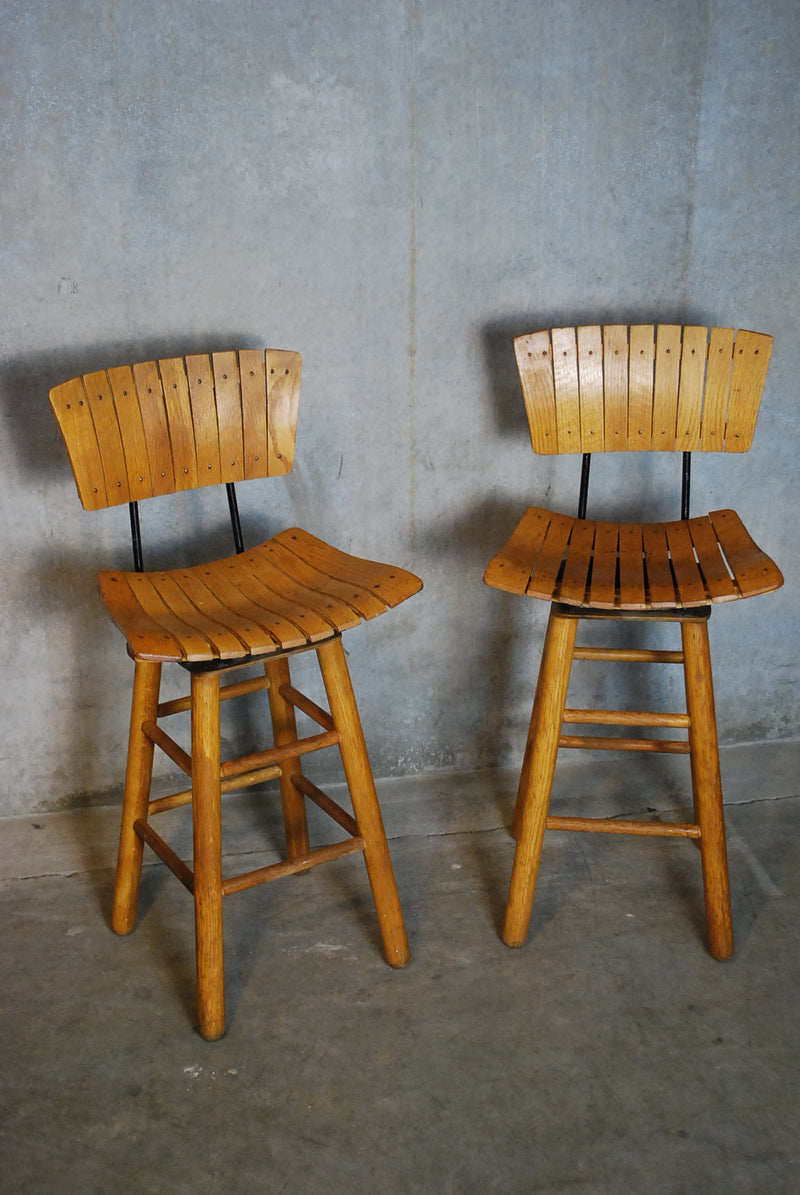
(610, 1054)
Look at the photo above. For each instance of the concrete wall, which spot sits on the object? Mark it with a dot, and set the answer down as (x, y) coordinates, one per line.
(396, 190)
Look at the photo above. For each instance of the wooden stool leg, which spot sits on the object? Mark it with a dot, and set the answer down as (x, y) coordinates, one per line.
(207, 832)
(367, 812)
(707, 787)
(146, 682)
(284, 728)
(538, 771)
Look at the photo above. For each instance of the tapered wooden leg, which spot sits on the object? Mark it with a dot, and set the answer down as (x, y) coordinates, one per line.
(206, 822)
(284, 729)
(525, 774)
(707, 787)
(146, 682)
(538, 772)
(367, 812)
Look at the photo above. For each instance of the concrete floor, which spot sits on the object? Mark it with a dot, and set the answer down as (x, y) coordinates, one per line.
(610, 1054)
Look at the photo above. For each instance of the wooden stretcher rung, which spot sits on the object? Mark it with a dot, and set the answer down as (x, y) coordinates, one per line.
(181, 704)
(275, 871)
(592, 743)
(308, 707)
(612, 825)
(165, 853)
(168, 745)
(274, 755)
(326, 803)
(625, 718)
(176, 800)
(628, 655)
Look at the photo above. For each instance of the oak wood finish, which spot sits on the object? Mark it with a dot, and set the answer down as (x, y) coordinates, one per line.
(136, 432)
(632, 388)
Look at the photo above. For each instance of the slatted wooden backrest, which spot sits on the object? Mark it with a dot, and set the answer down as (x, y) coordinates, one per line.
(627, 387)
(134, 432)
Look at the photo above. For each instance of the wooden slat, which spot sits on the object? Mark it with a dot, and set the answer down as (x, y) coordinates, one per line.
(615, 373)
(156, 429)
(359, 599)
(254, 413)
(129, 417)
(193, 645)
(204, 419)
(175, 591)
(590, 379)
(386, 582)
(565, 375)
(690, 393)
(265, 562)
(751, 356)
(574, 581)
(545, 575)
(229, 416)
(201, 587)
(109, 441)
(640, 387)
(718, 382)
(283, 396)
(179, 419)
(266, 624)
(665, 391)
(660, 581)
(71, 409)
(149, 640)
(603, 586)
(631, 567)
(753, 570)
(312, 624)
(689, 582)
(712, 563)
(510, 568)
(535, 365)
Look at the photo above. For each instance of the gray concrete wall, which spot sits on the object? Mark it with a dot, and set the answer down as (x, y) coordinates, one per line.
(396, 190)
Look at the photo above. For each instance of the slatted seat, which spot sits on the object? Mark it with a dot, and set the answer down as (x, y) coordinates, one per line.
(616, 389)
(154, 428)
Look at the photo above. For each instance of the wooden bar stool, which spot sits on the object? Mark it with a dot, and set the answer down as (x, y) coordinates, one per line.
(618, 389)
(154, 428)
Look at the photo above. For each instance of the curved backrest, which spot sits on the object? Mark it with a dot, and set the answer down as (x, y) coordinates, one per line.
(624, 387)
(137, 431)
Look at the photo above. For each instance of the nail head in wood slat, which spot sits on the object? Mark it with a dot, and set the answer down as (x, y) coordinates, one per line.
(640, 387)
(254, 413)
(229, 415)
(565, 377)
(71, 409)
(535, 365)
(179, 418)
(129, 417)
(154, 423)
(751, 354)
(615, 374)
(109, 440)
(665, 391)
(590, 381)
(200, 378)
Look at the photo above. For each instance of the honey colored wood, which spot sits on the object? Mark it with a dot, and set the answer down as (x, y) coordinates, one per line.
(707, 787)
(590, 382)
(538, 769)
(535, 363)
(667, 389)
(367, 811)
(629, 567)
(134, 432)
(146, 684)
(639, 387)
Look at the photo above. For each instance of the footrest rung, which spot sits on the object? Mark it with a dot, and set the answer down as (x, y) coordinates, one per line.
(326, 803)
(275, 871)
(165, 853)
(614, 825)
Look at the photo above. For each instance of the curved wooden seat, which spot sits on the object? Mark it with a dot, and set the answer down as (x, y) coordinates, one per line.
(632, 566)
(291, 592)
(626, 389)
(158, 427)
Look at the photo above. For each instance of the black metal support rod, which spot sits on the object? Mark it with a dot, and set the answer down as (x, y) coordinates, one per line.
(136, 537)
(686, 484)
(584, 491)
(233, 507)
